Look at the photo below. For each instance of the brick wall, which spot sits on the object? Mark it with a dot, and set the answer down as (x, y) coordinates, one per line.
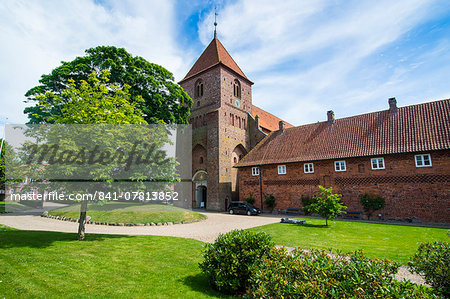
(221, 131)
(409, 191)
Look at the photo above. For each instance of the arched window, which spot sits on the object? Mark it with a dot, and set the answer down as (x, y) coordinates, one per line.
(201, 160)
(199, 88)
(237, 89)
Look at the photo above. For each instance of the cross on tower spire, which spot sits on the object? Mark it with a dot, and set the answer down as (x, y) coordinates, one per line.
(215, 22)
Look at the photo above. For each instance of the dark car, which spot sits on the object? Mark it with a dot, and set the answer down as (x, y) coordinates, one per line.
(240, 207)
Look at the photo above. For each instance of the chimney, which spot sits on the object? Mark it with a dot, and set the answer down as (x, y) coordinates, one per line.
(330, 116)
(392, 105)
(257, 122)
(281, 125)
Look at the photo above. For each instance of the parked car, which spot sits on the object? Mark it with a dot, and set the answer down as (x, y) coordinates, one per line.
(240, 207)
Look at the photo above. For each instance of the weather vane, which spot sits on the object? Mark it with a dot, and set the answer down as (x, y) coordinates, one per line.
(215, 22)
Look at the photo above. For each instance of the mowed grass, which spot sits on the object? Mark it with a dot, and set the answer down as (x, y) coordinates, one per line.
(37, 264)
(11, 206)
(122, 212)
(394, 242)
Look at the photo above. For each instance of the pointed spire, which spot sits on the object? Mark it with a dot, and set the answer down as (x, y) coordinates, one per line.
(215, 22)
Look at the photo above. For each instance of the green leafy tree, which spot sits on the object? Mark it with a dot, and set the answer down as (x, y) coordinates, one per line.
(151, 87)
(327, 204)
(270, 201)
(307, 201)
(372, 203)
(98, 102)
(95, 101)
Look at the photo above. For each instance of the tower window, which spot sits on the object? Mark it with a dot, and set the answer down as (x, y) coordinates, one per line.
(201, 160)
(199, 88)
(237, 89)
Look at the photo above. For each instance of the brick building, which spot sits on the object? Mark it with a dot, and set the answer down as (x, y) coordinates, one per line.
(226, 125)
(401, 154)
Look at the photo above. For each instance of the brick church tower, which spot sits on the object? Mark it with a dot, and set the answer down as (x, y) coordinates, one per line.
(224, 129)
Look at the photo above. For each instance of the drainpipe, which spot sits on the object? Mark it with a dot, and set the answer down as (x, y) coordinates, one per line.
(260, 188)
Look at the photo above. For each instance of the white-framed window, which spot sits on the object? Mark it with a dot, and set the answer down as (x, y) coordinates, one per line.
(339, 166)
(281, 169)
(423, 160)
(255, 171)
(308, 167)
(377, 163)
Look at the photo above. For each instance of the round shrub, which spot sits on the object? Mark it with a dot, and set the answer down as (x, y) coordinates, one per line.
(432, 261)
(317, 274)
(229, 260)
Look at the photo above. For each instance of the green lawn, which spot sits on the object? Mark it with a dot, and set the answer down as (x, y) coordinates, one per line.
(11, 206)
(37, 264)
(122, 212)
(394, 242)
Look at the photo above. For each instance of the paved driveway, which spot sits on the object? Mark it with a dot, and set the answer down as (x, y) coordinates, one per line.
(206, 231)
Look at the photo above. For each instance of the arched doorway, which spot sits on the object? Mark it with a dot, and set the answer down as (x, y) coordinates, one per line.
(199, 184)
(200, 194)
(238, 153)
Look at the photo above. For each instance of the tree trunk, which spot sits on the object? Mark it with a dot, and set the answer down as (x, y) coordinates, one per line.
(326, 221)
(82, 221)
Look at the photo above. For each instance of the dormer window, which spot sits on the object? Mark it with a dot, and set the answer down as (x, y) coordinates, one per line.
(199, 88)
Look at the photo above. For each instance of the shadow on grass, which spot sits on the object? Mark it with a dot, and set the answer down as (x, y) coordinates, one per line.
(199, 283)
(307, 225)
(42, 239)
(316, 225)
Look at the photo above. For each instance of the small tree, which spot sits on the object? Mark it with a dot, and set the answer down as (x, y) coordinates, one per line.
(371, 203)
(94, 102)
(327, 204)
(270, 201)
(307, 201)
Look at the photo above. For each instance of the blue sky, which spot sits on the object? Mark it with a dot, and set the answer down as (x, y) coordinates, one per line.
(305, 57)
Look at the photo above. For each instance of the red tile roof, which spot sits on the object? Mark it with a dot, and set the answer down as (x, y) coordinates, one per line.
(268, 122)
(213, 55)
(416, 128)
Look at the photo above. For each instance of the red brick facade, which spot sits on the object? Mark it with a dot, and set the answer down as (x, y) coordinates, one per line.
(228, 127)
(224, 129)
(409, 191)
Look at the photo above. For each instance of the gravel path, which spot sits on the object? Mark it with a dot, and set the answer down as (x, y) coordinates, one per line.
(205, 231)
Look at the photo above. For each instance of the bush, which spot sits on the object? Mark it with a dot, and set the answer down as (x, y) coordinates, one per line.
(307, 204)
(229, 260)
(371, 203)
(316, 274)
(250, 200)
(432, 261)
(270, 201)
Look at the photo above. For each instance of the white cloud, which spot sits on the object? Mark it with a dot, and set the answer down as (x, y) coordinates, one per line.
(36, 35)
(313, 56)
